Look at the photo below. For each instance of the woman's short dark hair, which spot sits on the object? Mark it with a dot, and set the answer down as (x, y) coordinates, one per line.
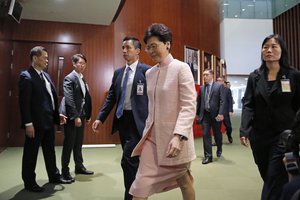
(136, 43)
(76, 57)
(161, 31)
(37, 51)
(284, 59)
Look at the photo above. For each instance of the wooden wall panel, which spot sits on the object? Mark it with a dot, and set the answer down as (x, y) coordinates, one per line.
(97, 44)
(288, 26)
(193, 23)
(202, 30)
(5, 57)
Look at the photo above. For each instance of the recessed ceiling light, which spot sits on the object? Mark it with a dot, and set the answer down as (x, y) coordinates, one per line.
(250, 5)
(235, 16)
(243, 9)
(226, 4)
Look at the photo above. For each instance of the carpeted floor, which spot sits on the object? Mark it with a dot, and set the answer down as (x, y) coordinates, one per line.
(234, 176)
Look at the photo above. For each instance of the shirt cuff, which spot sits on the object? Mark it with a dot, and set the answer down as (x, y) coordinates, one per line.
(29, 124)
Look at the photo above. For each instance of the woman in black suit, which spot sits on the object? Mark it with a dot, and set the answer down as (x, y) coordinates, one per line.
(271, 100)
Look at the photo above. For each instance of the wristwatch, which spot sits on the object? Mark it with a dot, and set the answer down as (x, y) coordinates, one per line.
(181, 137)
(291, 164)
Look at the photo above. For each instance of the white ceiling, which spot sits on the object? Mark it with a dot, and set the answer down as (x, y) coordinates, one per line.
(100, 12)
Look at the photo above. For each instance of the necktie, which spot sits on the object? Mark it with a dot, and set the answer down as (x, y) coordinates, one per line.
(207, 92)
(120, 107)
(42, 77)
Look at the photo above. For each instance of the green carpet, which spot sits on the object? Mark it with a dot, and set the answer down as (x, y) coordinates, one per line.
(234, 176)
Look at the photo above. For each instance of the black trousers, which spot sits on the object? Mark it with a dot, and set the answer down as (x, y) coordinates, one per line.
(72, 142)
(268, 157)
(209, 122)
(129, 137)
(45, 138)
(227, 124)
(292, 189)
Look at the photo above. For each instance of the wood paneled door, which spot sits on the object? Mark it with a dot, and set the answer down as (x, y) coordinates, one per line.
(59, 66)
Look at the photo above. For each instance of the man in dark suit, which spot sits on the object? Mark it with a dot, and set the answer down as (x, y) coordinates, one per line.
(229, 108)
(210, 110)
(78, 107)
(131, 107)
(39, 113)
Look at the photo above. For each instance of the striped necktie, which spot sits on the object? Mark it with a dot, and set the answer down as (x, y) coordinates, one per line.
(120, 107)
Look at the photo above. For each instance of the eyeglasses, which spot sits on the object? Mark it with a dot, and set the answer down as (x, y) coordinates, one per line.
(151, 47)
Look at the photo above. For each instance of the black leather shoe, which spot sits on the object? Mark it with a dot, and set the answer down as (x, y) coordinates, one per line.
(60, 180)
(35, 188)
(230, 139)
(206, 160)
(83, 170)
(68, 177)
(219, 153)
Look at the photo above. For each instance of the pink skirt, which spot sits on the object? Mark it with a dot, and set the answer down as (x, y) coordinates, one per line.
(152, 178)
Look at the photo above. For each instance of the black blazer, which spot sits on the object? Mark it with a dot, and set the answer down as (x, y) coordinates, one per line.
(228, 99)
(75, 102)
(139, 103)
(268, 113)
(216, 102)
(35, 101)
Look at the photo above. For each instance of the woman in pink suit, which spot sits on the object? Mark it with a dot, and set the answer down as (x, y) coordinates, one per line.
(167, 147)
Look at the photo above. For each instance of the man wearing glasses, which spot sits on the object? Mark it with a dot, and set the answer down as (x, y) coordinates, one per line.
(211, 110)
(229, 109)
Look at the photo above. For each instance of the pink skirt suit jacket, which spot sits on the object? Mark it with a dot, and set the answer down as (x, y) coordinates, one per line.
(172, 107)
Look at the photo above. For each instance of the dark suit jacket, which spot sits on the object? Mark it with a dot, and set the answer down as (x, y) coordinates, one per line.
(35, 101)
(216, 101)
(139, 103)
(75, 102)
(228, 100)
(269, 113)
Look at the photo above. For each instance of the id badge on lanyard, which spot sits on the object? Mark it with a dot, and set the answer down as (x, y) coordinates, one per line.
(285, 85)
(140, 88)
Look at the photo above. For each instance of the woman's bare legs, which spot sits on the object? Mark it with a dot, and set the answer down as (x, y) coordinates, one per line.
(186, 186)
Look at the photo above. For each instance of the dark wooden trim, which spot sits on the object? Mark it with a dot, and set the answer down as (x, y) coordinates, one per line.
(122, 2)
(288, 26)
